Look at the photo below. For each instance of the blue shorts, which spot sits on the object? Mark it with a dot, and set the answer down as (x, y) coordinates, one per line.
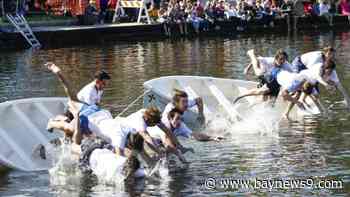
(85, 112)
(298, 65)
(296, 85)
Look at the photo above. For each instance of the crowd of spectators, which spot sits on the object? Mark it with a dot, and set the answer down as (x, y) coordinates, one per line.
(200, 15)
(203, 14)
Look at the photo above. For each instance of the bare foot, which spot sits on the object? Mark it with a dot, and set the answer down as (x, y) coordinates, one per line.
(251, 52)
(49, 126)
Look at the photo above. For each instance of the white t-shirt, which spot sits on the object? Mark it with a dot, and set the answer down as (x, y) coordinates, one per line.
(114, 132)
(106, 165)
(290, 81)
(89, 94)
(135, 121)
(170, 106)
(311, 58)
(314, 74)
(267, 64)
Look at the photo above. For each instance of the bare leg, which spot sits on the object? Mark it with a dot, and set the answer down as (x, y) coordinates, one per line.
(254, 92)
(341, 88)
(247, 68)
(77, 136)
(66, 127)
(255, 63)
(291, 105)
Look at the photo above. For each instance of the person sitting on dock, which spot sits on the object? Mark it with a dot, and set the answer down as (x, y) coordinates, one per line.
(316, 60)
(262, 67)
(94, 121)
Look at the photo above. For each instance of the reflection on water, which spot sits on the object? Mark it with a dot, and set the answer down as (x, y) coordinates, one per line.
(317, 148)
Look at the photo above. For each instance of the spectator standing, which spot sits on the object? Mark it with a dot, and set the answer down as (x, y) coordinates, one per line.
(298, 11)
(103, 11)
(344, 8)
(324, 8)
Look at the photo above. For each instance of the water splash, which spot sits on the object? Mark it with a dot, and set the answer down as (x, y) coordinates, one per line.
(65, 169)
(261, 118)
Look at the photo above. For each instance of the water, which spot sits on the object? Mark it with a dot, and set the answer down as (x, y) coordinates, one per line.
(317, 148)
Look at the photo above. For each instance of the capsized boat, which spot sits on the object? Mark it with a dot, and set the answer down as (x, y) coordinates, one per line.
(23, 132)
(218, 95)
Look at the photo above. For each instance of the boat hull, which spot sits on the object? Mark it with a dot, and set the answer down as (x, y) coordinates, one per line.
(23, 129)
(218, 95)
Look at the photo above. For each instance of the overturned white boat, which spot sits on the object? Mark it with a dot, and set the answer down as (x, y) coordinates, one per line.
(218, 95)
(23, 132)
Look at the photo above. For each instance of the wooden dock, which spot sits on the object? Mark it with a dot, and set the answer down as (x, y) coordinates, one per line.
(60, 36)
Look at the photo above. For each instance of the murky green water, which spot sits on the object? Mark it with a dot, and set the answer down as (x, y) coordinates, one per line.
(318, 149)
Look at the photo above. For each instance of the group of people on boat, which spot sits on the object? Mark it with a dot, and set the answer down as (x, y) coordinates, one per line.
(98, 138)
(294, 81)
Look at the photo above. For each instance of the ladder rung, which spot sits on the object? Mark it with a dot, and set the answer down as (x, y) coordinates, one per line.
(22, 26)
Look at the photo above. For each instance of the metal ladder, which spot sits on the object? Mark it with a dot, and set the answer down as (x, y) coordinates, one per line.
(22, 26)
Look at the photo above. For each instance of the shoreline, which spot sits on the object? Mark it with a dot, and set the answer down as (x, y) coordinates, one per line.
(65, 33)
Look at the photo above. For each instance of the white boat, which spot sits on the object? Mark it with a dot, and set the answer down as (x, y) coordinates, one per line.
(23, 129)
(218, 95)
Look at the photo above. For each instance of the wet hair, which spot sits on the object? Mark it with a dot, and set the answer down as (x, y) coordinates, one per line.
(102, 75)
(328, 64)
(152, 115)
(308, 88)
(173, 112)
(179, 94)
(135, 142)
(281, 53)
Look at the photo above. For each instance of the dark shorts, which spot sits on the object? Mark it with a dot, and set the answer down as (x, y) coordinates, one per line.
(272, 85)
(274, 88)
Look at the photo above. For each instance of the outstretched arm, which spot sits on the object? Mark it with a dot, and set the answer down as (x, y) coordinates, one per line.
(253, 92)
(56, 70)
(345, 94)
(318, 103)
(147, 138)
(205, 138)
